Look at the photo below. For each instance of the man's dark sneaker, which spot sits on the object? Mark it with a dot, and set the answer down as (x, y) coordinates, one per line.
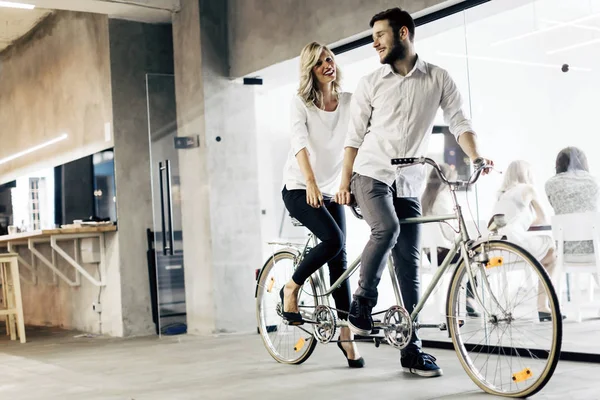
(419, 363)
(471, 308)
(359, 319)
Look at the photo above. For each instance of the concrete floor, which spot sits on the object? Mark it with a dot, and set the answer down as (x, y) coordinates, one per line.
(56, 365)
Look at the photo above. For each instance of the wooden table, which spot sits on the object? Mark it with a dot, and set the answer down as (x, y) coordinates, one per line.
(53, 236)
(24, 236)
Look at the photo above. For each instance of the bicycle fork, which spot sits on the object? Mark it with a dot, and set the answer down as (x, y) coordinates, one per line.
(486, 283)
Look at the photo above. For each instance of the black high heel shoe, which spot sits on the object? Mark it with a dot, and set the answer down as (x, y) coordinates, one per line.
(293, 318)
(352, 363)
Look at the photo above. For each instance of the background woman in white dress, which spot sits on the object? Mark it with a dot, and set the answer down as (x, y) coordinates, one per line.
(519, 202)
(319, 123)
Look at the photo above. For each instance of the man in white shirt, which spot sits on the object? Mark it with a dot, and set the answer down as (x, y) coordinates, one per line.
(392, 114)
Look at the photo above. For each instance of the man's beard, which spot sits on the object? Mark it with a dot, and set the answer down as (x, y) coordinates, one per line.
(398, 52)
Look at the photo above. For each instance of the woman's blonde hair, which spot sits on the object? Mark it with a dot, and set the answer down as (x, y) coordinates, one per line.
(518, 171)
(309, 89)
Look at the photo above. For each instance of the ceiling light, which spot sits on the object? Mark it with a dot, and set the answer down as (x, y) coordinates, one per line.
(573, 46)
(516, 62)
(10, 4)
(547, 29)
(34, 148)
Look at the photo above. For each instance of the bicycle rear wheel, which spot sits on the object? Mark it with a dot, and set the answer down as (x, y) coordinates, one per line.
(507, 351)
(285, 343)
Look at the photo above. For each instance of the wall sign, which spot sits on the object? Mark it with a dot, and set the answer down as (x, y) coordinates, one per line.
(187, 142)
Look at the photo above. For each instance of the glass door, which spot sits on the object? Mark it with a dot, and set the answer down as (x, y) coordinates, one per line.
(165, 241)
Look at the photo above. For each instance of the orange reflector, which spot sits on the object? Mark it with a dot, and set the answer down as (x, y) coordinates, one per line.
(270, 285)
(495, 262)
(299, 344)
(522, 375)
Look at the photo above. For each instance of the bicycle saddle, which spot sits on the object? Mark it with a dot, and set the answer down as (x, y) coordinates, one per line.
(295, 222)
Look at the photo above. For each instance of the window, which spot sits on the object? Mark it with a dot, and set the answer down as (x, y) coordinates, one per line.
(34, 203)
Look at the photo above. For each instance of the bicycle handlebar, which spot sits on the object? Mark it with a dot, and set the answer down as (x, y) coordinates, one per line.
(479, 165)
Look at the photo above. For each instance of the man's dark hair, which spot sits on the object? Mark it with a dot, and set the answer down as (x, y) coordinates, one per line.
(397, 18)
(571, 159)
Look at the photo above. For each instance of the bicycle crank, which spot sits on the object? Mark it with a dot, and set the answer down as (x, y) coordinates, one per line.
(397, 327)
(324, 323)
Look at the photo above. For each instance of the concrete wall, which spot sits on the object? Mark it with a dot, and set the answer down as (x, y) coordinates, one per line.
(195, 193)
(219, 179)
(55, 80)
(233, 173)
(136, 49)
(266, 32)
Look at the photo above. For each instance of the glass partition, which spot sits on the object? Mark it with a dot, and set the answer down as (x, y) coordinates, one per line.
(165, 242)
(527, 71)
(533, 71)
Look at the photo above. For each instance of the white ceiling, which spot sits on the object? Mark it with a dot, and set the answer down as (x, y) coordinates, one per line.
(15, 23)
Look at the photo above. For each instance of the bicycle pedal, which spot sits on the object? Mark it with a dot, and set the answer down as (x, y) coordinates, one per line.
(444, 327)
(376, 327)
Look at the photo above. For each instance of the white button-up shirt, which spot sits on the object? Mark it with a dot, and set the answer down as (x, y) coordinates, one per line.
(392, 116)
(322, 133)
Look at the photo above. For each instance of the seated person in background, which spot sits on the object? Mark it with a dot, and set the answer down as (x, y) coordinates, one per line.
(573, 190)
(437, 200)
(519, 202)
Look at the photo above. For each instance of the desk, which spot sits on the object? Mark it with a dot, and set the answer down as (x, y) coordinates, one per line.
(53, 236)
(539, 228)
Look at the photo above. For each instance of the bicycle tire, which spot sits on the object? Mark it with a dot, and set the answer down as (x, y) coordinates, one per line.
(267, 300)
(514, 355)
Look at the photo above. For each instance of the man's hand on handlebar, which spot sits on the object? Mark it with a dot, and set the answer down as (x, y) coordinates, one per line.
(480, 161)
(343, 196)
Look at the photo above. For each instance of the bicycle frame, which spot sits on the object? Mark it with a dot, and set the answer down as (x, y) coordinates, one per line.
(461, 239)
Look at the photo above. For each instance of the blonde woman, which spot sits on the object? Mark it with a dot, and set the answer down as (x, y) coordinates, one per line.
(319, 122)
(519, 202)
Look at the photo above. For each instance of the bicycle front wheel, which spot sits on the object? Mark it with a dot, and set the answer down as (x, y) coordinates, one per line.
(506, 351)
(285, 343)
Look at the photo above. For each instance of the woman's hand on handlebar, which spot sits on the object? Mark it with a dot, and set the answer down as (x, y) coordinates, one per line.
(343, 196)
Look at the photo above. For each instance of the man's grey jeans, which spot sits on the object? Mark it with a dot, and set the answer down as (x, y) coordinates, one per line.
(381, 209)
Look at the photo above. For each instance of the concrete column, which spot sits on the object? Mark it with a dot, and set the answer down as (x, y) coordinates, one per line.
(195, 198)
(219, 179)
(135, 49)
